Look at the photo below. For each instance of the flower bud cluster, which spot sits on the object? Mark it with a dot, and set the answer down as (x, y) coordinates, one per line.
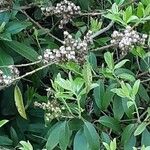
(64, 9)
(72, 49)
(3, 2)
(52, 109)
(6, 80)
(127, 39)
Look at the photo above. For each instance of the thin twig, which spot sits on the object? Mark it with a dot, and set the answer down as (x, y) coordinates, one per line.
(92, 14)
(39, 26)
(27, 74)
(22, 65)
(142, 74)
(103, 30)
(103, 48)
(147, 80)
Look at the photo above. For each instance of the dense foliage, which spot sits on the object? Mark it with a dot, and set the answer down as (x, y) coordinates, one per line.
(75, 74)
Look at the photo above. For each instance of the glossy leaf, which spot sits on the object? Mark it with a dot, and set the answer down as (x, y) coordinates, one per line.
(16, 26)
(5, 60)
(99, 93)
(91, 135)
(127, 132)
(19, 102)
(64, 136)
(109, 60)
(145, 138)
(80, 141)
(140, 128)
(121, 63)
(53, 136)
(25, 51)
(110, 123)
(3, 122)
(118, 108)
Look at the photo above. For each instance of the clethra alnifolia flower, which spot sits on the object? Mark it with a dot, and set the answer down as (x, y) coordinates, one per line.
(6, 80)
(72, 49)
(52, 109)
(127, 39)
(65, 9)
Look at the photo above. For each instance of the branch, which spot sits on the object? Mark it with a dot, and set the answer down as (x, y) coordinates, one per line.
(91, 14)
(22, 65)
(104, 47)
(39, 26)
(27, 74)
(103, 30)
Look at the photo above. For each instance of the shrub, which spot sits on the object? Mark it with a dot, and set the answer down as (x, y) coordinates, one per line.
(74, 74)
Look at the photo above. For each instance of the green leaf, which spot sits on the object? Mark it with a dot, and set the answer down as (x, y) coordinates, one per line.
(147, 148)
(143, 93)
(87, 75)
(115, 8)
(145, 138)
(25, 51)
(130, 144)
(106, 146)
(2, 122)
(130, 103)
(4, 17)
(110, 123)
(5, 141)
(135, 87)
(120, 2)
(116, 18)
(25, 145)
(145, 2)
(127, 132)
(53, 136)
(64, 137)
(118, 108)
(85, 5)
(119, 92)
(129, 111)
(95, 25)
(120, 64)
(5, 60)
(147, 10)
(113, 144)
(109, 60)
(91, 135)
(126, 76)
(105, 137)
(140, 10)
(140, 128)
(108, 95)
(14, 27)
(93, 60)
(99, 93)
(65, 84)
(80, 142)
(133, 19)
(19, 102)
(6, 36)
(139, 51)
(127, 13)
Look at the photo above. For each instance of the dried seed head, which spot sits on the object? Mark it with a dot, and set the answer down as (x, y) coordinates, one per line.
(128, 39)
(72, 49)
(65, 9)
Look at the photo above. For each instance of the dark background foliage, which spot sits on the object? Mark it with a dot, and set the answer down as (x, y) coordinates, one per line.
(25, 32)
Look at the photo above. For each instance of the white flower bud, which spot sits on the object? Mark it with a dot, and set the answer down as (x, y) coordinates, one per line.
(128, 28)
(42, 8)
(68, 48)
(51, 57)
(144, 36)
